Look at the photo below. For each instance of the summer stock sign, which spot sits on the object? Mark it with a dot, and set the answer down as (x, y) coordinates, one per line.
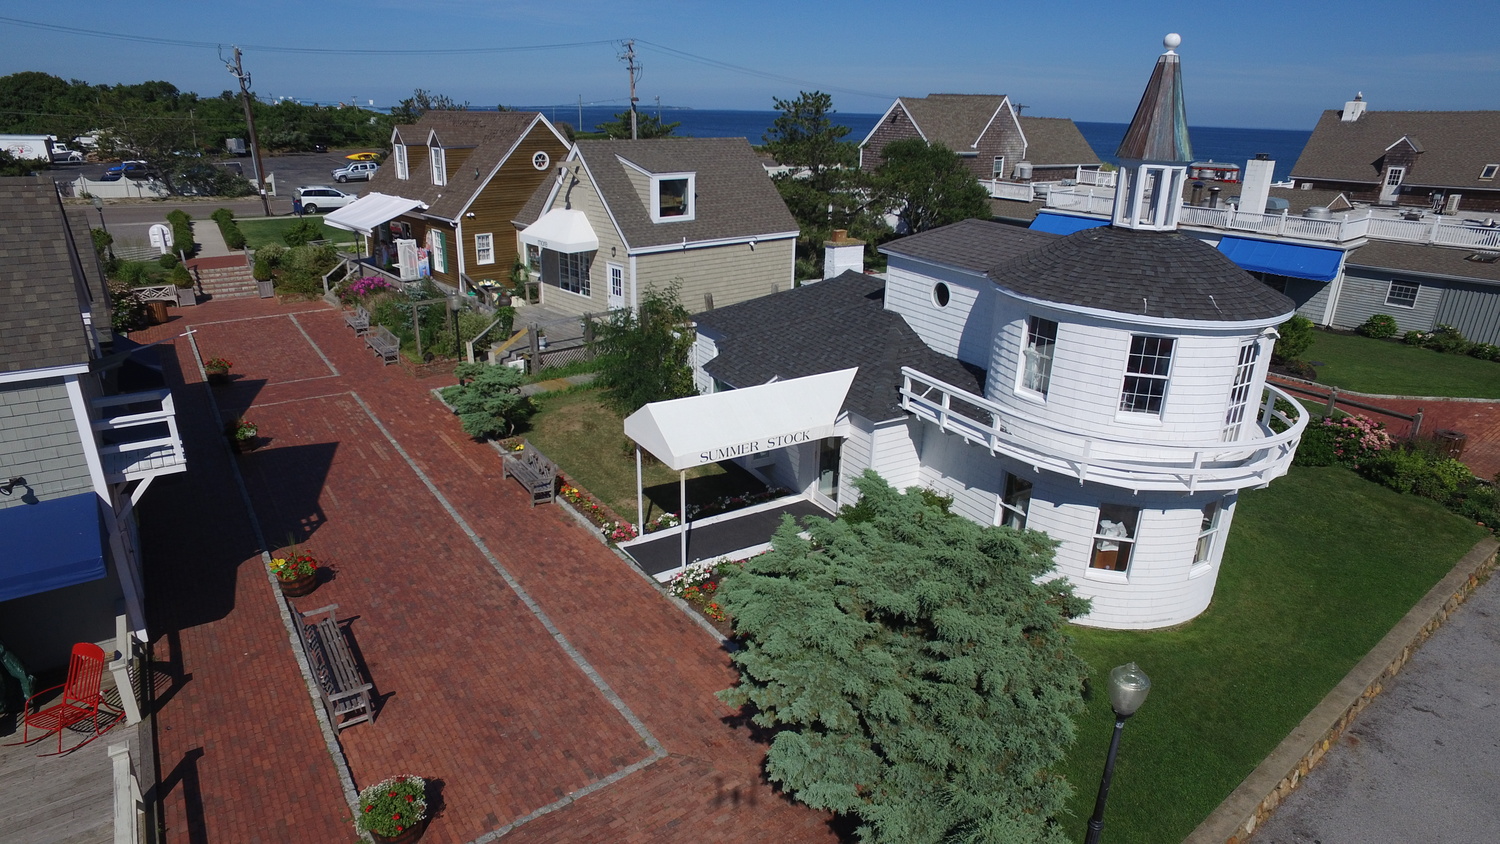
(749, 447)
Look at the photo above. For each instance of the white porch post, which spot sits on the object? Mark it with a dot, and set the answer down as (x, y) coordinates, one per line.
(640, 498)
(682, 504)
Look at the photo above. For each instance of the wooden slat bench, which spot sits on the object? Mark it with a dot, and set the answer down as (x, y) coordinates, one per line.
(537, 474)
(382, 342)
(345, 696)
(358, 319)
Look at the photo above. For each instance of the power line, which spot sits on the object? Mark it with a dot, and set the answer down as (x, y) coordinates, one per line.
(776, 77)
(271, 48)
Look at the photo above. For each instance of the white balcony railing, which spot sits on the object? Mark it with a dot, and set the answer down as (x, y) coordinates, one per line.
(1133, 464)
(1019, 191)
(142, 439)
(1345, 227)
(1096, 178)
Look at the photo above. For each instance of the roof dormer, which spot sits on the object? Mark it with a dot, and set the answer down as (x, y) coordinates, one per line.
(438, 158)
(672, 197)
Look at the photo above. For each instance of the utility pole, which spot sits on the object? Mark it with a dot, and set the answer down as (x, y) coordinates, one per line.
(635, 74)
(580, 112)
(238, 72)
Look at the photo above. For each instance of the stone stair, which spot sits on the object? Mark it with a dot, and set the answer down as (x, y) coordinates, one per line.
(225, 278)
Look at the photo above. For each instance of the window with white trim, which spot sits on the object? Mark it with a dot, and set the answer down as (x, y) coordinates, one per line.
(1489, 171)
(1208, 529)
(484, 248)
(1239, 393)
(401, 168)
(1402, 294)
(1015, 501)
(1394, 177)
(998, 170)
(439, 166)
(1114, 537)
(573, 272)
(1036, 355)
(672, 197)
(1146, 374)
(439, 244)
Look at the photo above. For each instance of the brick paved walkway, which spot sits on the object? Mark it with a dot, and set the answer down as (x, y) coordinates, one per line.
(551, 689)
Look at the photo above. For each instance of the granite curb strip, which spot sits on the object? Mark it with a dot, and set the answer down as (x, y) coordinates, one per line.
(1242, 812)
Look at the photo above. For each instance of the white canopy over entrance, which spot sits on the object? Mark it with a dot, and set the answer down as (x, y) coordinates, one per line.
(562, 230)
(689, 432)
(692, 431)
(364, 214)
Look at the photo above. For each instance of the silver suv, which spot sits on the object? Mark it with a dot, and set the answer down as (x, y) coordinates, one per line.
(317, 198)
(356, 170)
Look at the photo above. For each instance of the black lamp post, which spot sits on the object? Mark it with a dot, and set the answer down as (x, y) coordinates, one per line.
(99, 204)
(1128, 686)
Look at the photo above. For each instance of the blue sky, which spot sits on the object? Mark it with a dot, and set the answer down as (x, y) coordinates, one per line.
(1269, 64)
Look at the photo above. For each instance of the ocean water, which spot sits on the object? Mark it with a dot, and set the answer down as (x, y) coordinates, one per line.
(1209, 142)
(1233, 146)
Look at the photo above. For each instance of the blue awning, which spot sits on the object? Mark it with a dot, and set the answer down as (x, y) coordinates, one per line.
(1064, 224)
(50, 544)
(1308, 262)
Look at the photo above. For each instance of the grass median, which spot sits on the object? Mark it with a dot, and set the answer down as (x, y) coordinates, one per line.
(1318, 568)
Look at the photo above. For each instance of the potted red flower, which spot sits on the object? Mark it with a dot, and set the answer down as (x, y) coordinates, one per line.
(394, 810)
(296, 573)
(217, 370)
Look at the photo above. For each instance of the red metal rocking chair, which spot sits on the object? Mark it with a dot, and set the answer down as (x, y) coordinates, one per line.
(82, 700)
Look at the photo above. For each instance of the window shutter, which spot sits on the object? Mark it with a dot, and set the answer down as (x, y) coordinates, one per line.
(439, 251)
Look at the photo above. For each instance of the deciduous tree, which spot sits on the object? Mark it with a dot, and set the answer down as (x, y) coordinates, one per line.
(926, 185)
(643, 354)
(915, 668)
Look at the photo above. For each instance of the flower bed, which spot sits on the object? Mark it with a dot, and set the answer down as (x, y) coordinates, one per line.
(730, 503)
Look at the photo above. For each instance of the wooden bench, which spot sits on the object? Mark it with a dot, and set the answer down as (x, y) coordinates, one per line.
(344, 695)
(358, 319)
(382, 342)
(537, 474)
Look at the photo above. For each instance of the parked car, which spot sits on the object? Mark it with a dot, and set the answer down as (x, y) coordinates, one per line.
(357, 170)
(317, 198)
(128, 169)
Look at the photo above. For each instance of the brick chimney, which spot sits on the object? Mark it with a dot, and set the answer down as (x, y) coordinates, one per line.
(842, 253)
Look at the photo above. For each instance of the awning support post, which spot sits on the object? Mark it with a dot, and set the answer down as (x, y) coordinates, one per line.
(682, 504)
(640, 498)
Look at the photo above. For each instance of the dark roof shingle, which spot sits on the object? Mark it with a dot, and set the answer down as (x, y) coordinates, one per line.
(41, 294)
(1455, 147)
(492, 134)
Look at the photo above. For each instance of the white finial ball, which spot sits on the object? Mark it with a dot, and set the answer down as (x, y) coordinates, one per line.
(1172, 41)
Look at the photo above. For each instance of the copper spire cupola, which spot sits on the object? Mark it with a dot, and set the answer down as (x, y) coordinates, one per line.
(1156, 151)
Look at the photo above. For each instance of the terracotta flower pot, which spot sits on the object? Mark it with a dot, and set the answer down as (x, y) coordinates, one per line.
(299, 587)
(408, 836)
(244, 446)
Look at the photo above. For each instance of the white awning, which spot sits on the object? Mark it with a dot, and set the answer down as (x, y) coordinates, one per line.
(371, 210)
(683, 433)
(562, 230)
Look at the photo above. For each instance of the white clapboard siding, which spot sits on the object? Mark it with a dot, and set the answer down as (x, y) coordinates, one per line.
(894, 452)
(967, 473)
(855, 457)
(962, 328)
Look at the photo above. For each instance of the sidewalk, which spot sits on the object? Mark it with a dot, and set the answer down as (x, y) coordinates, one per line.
(545, 686)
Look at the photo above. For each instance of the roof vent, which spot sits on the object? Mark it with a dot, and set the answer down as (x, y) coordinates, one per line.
(1484, 257)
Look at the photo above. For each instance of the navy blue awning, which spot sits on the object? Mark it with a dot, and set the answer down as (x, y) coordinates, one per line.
(1064, 224)
(50, 544)
(1309, 262)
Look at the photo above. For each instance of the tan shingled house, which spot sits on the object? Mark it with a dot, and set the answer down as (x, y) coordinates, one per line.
(625, 215)
(988, 133)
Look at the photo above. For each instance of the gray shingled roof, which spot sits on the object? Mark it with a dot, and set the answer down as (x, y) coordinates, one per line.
(954, 120)
(40, 294)
(825, 327)
(1051, 141)
(1456, 145)
(734, 196)
(972, 245)
(1420, 258)
(491, 133)
(1167, 275)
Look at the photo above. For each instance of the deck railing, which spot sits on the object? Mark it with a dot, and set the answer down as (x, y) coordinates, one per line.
(1096, 178)
(143, 440)
(1019, 191)
(1134, 464)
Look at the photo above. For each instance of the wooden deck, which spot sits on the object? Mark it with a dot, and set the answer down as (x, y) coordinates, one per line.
(60, 799)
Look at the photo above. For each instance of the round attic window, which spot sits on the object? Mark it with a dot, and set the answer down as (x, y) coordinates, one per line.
(940, 295)
(541, 160)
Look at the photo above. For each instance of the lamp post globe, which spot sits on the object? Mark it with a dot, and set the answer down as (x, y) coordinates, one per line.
(1128, 687)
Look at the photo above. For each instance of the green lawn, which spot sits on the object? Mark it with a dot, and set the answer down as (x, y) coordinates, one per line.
(588, 441)
(1318, 568)
(1393, 368)
(264, 230)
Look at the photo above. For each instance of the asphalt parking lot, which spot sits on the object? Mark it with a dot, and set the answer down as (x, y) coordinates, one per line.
(287, 172)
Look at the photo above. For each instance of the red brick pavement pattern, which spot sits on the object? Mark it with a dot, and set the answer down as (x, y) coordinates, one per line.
(474, 691)
(1478, 421)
